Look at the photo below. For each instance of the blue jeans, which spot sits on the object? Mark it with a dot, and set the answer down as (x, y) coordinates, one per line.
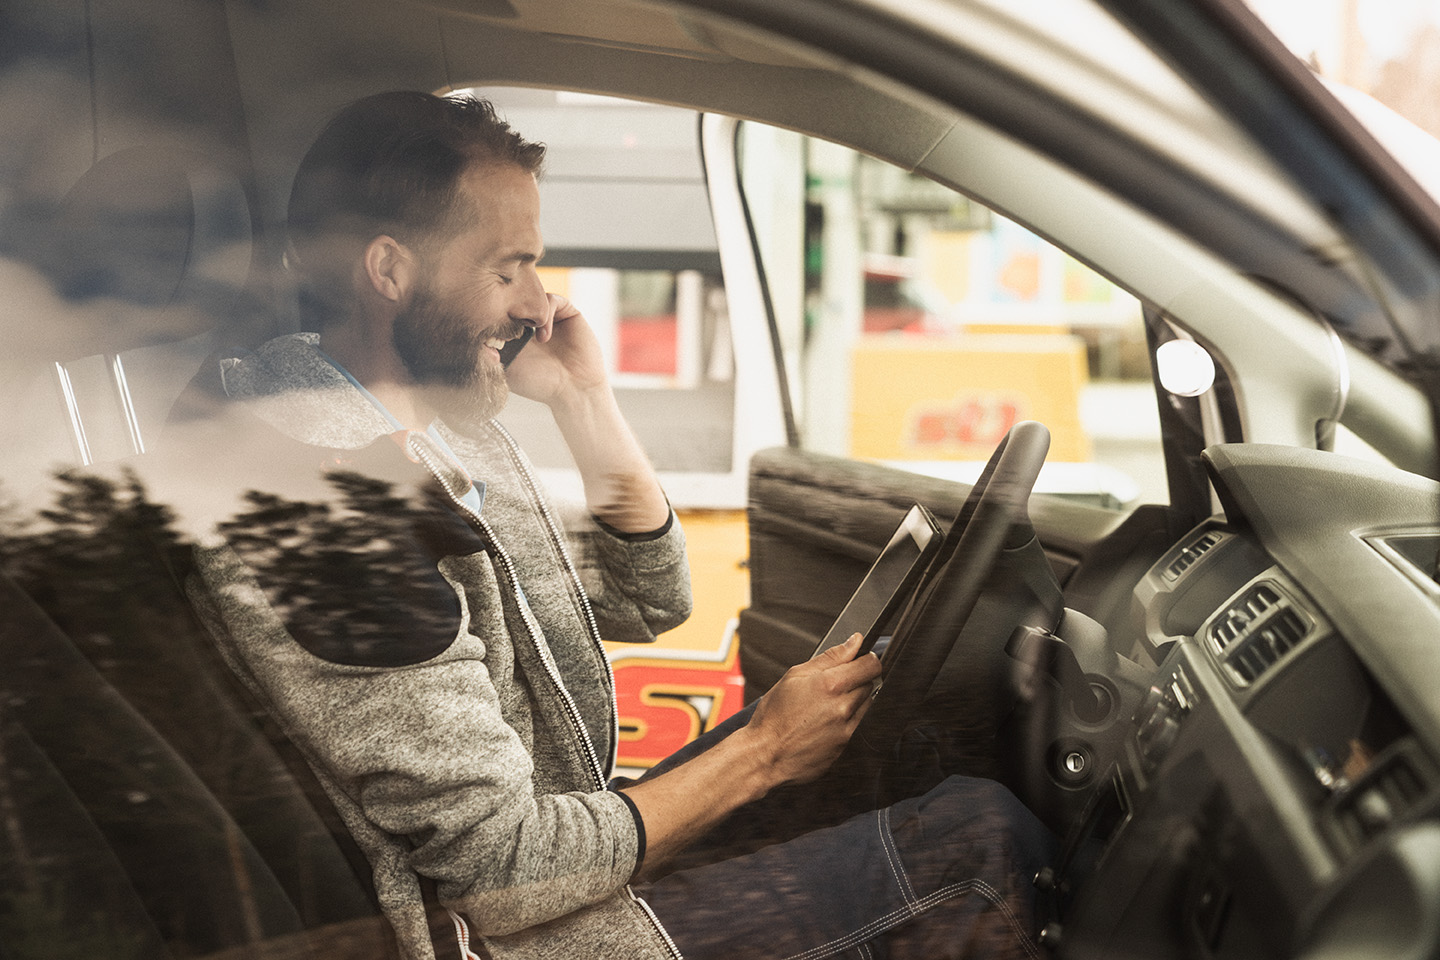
(943, 875)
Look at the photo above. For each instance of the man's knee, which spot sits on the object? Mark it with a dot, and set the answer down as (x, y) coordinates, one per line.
(978, 820)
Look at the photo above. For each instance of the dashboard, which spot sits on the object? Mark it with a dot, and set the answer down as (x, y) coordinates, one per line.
(1277, 789)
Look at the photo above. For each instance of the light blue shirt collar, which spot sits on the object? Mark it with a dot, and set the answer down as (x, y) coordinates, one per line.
(475, 497)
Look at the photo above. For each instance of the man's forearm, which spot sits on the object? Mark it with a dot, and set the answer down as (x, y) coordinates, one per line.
(620, 485)
(681, 805)
(797, 730)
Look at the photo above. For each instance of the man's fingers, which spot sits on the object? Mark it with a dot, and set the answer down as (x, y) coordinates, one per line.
(860, 672)
(843, 669)
(546, 327)
(840, 653)
(860, 711)
(850, 675)
(561, 308)
(839, 672)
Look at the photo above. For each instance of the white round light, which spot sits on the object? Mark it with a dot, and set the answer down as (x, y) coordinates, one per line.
(1185, 368)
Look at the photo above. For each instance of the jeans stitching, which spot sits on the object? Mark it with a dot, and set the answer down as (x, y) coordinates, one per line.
(993, 895)
(895, 917)
(862, 935)
(892, 853)
(892, 856)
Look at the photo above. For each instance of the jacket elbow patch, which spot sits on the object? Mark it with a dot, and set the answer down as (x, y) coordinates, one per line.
(355, 588)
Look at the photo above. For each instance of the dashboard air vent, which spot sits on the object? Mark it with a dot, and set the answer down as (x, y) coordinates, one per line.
(1264, 647)
(1256, 630)
(1389, 791)
(1237, 620)
(1191, 553)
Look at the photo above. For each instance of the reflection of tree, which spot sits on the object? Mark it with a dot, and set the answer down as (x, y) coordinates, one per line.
(356, 580)
(119, 732)
(93, 567)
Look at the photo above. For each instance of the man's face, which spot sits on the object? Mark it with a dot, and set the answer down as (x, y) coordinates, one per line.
(475, 292)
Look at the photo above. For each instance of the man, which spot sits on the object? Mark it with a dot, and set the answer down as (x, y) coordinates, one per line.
(443, 674)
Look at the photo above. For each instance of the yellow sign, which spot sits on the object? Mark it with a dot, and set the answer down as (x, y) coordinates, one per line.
(953, 398)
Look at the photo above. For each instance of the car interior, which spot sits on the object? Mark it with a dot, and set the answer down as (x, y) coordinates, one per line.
(1222, 704)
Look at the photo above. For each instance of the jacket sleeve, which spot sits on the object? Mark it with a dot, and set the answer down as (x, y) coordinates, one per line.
(639, 586)
(421, 758)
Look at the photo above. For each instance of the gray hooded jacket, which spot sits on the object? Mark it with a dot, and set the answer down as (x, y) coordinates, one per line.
(466, 729)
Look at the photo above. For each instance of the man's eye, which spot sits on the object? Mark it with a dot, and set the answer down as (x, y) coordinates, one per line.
(504, 279)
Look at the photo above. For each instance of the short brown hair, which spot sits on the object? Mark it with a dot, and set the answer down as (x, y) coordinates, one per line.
(389, 164)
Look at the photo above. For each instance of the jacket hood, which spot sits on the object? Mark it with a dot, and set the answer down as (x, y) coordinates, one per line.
(291, 385)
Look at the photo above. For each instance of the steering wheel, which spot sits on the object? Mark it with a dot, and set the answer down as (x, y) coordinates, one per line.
(933, 621)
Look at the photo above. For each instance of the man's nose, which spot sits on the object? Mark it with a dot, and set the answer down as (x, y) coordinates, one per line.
(534, 306)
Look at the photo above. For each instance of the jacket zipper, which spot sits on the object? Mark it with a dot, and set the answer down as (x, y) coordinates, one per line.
(659, 927)
(559, 541)
(572, 712)
(595, 638)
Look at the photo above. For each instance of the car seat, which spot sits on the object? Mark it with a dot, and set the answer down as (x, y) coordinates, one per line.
(148, 809)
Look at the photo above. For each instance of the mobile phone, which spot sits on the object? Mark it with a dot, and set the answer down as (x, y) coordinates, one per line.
(513, 347)
(889, 582)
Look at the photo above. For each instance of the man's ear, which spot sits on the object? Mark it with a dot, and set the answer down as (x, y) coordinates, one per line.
(389, 267)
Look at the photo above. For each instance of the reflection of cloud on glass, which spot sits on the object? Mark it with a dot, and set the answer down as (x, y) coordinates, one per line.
(124, 223)
(120, 291)
(1389, 26)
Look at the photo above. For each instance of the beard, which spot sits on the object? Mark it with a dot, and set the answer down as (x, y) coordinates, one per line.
(444, 355)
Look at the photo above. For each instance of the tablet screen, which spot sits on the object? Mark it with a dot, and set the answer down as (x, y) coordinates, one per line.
(889, 582)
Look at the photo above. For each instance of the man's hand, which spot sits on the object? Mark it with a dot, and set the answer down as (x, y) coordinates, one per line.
(564, 369)
(563, 362)
(798, 729)
(806, 719)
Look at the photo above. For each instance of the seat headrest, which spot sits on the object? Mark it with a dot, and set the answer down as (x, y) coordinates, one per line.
(161, 239)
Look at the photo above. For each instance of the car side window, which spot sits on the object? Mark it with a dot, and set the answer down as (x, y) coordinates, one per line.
(918, 326)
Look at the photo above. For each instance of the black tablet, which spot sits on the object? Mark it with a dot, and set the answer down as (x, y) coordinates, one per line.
(889, 582)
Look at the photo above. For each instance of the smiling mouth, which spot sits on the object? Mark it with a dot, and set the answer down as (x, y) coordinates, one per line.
(498, 341)
(507, 346)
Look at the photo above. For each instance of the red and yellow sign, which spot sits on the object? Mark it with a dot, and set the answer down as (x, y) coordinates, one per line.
(665, 703)
(953, 398)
